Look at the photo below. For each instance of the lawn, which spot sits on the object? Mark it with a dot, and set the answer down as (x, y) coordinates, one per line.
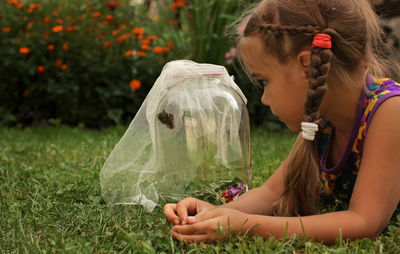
(50, 200)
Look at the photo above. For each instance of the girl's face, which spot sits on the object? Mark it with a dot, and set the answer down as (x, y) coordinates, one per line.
(285, 85)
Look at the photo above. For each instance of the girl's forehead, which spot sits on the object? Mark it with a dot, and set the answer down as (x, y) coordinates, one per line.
(253, 54)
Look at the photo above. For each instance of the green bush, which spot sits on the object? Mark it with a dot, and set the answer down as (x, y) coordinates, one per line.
(94, 61)
(75, 61)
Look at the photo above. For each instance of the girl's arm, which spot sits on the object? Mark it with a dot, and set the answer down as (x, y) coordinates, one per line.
(376, 193)
(375, 196)
(256, 201)
(260, 200)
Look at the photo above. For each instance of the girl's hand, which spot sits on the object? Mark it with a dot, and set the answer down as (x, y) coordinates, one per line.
(212, 225)
(178, 213)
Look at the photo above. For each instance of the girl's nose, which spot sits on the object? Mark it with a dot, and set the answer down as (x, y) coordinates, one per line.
(264, 99)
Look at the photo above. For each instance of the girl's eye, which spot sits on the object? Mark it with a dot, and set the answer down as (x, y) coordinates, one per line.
(262, 82)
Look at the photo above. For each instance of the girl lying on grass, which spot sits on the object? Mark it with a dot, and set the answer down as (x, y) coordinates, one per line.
(320, 64)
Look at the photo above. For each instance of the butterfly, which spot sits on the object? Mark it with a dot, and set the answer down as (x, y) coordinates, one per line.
(166, 118)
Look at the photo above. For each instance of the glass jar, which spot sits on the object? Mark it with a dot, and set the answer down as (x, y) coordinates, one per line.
(202, 136)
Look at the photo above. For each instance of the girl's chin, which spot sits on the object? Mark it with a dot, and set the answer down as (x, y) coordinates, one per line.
(293, 127)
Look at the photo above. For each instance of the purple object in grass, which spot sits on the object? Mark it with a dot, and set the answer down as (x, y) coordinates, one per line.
(234, 191)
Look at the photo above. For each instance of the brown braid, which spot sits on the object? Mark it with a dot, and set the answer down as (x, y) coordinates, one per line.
(318, 75)
(306, 196)
(274, 28)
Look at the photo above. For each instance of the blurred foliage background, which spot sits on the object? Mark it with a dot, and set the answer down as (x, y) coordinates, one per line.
(92, 62)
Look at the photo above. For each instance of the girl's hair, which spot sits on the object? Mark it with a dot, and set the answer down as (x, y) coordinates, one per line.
(287, 27)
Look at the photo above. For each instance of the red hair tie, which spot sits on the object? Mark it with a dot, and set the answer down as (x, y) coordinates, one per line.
(322, 41)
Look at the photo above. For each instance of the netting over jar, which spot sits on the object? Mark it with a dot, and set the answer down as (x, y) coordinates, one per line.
(192, 130)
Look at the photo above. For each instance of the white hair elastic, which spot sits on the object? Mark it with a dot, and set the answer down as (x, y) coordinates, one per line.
(308, 130)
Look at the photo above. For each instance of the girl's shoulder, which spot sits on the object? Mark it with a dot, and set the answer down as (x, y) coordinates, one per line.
(377, 87)
(379, 90)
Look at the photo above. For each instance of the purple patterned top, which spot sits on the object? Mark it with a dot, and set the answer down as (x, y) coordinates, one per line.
(338, 180)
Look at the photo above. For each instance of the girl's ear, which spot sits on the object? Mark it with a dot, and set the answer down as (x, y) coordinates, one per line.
(303, 61)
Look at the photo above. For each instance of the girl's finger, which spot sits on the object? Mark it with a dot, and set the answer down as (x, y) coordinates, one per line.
(188, 229)
(170, 212)
(190, 238)
(197, 228)
(199, 232)
(185, 207)
(204, 216)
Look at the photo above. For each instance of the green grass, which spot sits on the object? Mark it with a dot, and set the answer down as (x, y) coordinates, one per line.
(50, 200)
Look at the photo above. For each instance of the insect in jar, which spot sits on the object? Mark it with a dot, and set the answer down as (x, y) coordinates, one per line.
(166, 118)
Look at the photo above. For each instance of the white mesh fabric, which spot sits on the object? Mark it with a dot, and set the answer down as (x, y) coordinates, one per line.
(140, 167)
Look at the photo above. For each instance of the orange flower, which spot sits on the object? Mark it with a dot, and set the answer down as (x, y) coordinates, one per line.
(14, 2)
(166, 49)
(123, 38)
(115, 32)
(59, 62)
(57, 29)
(158, 50)
(128, 53)
(178, 4)
(40, 69)
(145, 47)
(60, 21)
(109, 17)
(20, 6)
(152, 37)
(33, 7)
(25, 93)
(6, 29)
(135, 84)
(24, 50)
(138, 30)
(50, 47)
(170, 43)
(65, 46)
(96, 14)
(30, 24)
(141, 54)
(107, 44)
(112, 5)
(64, 67)
(55, 14)
(46, 20)
(121, 26)
(70, 28)
(145, 41)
